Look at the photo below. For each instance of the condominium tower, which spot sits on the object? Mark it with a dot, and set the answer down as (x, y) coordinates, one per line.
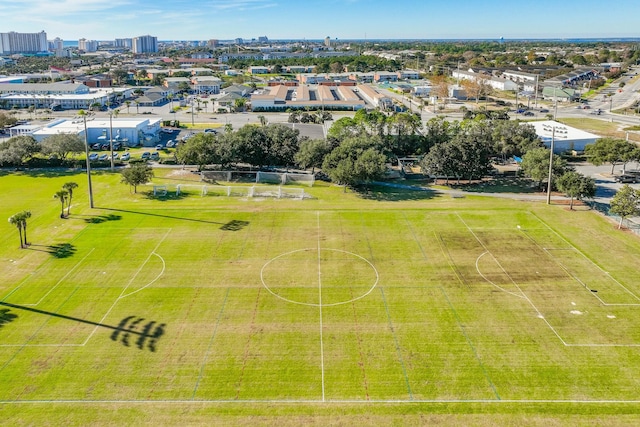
(12, 42)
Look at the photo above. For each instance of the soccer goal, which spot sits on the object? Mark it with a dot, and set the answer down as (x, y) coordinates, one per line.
(159, 190)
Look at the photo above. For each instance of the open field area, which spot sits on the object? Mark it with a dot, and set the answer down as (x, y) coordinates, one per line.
(341, 309)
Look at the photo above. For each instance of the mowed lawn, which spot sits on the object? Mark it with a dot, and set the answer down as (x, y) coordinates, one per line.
(338, 309)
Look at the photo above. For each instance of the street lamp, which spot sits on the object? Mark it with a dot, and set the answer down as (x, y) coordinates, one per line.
(111, 137)
(86, 150)
(553, 139)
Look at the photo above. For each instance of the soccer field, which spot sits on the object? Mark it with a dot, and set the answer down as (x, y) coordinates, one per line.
(237, 303)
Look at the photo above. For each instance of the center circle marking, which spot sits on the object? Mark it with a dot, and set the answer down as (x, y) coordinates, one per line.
(317, 252)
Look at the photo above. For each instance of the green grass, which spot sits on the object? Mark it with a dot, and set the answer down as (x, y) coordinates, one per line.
(474, 311)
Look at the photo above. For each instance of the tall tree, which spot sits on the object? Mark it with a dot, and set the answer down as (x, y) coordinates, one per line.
(625, 203)
(354, 161)
(311, 153)
(137, 174)
(18, 149)
(17, 221)
(69, 186)
(62, 145)
(535, 165)
(61, 195)
(611, 150)
(576, 185)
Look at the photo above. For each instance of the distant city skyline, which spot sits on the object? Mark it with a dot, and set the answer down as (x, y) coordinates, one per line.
(338, 19)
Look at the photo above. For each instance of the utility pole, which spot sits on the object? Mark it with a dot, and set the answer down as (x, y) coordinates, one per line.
(111, 137)
(553, 139)
(86, 150)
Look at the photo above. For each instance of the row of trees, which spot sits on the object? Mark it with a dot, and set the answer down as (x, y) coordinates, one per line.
(65, 196)
(20, 221)
(19, 149)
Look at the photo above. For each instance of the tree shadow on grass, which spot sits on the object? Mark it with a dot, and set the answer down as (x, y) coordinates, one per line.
(59, 250)
(161, 216)
(102, 218)
(395, 194)
(6, 316)
(234, 225)
(171, 195)
(148, 334)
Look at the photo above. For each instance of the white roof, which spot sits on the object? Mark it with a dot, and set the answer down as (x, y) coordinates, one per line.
(544, 129)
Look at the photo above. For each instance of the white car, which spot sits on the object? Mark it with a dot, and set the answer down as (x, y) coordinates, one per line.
(93, 156)
(125, 157)
(170, 143)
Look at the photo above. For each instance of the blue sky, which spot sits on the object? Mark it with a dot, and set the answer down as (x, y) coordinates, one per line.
(341, 19)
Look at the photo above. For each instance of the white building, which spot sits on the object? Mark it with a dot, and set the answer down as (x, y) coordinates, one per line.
(12, 42)
(144, 44)
(565, 138)
(132, 132)
(206, 84)
(87, 45)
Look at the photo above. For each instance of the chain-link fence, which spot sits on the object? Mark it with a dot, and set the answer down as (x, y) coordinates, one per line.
(632, 224)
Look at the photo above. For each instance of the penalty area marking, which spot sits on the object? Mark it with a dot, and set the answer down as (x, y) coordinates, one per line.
(318, 251)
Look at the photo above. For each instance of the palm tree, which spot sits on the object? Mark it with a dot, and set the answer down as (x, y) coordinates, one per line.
(69, 186)
(128, 104)
(24, 216)
(205, 105)
(263, 120)
(15, 220)
(62, 196)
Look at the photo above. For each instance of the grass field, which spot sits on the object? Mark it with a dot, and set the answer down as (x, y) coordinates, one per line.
(388, 308)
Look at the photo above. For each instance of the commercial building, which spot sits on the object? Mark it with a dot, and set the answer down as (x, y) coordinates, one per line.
(25, 43)
(565, 138)
(131, 132)
(87, 45)
(144, 44)
(72, 96)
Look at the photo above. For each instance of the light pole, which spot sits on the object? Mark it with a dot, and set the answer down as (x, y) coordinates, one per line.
(111, 137)
(553, 139)
(86, 150)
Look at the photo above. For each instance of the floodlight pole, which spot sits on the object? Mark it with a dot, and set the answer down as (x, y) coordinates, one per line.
(86, 150)
(111, 137)
(553, 138)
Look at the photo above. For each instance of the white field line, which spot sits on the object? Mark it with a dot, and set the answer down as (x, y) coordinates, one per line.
(540, 315)
(491, 282)
(320, 305)
(122, 294)
(310, 304)
(56, 285)
(587, 258)
(315, 401)
(151, 282)
(566, 270)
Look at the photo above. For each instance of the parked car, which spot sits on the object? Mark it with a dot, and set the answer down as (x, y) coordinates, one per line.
(117, 145)
(210, 131)
(170, 144)
(521, 110)
(544, 110)
(105, 147)
(125, 157)
(627, 179)
(95, 146)
(159, 147)
(155, 155)
(527, 113)
(103, 157)
(115, 156)
(93, 157)
(166, 130)
(146, 155)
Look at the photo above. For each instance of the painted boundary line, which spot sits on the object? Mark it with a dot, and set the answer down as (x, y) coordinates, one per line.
(540, 315)
(320, 402)
(122, 294)
(55, 286)
(320, 304)
(415, 237)
(470, 344)
(592, 262)
(213, 335)
(398, 350)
